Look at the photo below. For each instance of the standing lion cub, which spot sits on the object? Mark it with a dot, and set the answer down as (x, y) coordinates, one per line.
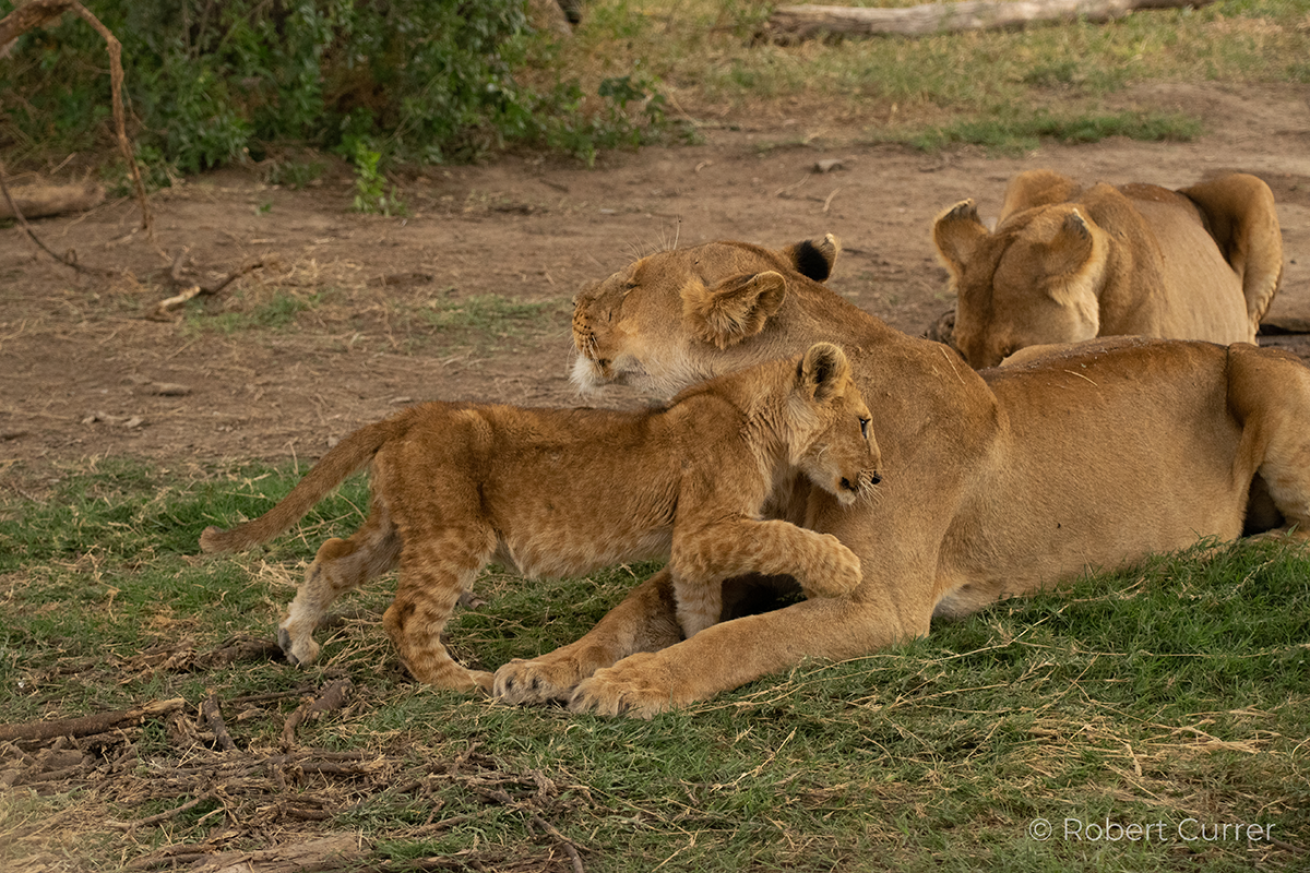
(560, 492)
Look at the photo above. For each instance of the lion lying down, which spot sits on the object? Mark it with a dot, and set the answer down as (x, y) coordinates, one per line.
(1067, 264)
(998, 483)
(562, 492)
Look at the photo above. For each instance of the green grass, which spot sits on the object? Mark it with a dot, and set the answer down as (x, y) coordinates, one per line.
(277, 313)
(1176, 691)
(706, 54)
(1016, 132)
(486, 318)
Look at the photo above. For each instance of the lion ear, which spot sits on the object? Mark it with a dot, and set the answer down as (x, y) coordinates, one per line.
(1072, 246)
(956, 233)
(822, 372)
(814, 258)
(735, 309)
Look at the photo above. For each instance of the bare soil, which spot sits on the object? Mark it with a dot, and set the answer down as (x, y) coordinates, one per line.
(87, 374)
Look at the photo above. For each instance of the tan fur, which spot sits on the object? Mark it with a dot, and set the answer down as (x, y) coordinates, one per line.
(561, 492)
(998, 483)
(1067, 264)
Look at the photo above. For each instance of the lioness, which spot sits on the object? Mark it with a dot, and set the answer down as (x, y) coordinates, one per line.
(998, 483)
(1067, 264)
(562, 492)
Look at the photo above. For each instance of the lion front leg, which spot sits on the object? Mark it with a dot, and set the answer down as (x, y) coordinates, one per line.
(645, 621)
(733, 653)
(703, 557)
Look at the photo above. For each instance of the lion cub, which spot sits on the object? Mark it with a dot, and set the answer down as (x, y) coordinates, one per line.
(562, 492)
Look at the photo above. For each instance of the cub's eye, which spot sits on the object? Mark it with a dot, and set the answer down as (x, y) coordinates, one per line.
(864, 427)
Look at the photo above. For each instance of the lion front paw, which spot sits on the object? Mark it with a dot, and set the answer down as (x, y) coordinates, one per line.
(536, 681)
(837, 574)
(628, 688)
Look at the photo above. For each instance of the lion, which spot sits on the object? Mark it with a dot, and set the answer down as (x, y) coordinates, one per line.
(1067, 264)
(998, 483)
(562, 492)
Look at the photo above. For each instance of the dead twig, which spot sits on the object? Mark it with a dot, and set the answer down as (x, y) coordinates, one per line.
(163, 816)
(163, 310)
(88, 725)
(568, 847)
(213, 716)
(332, 697)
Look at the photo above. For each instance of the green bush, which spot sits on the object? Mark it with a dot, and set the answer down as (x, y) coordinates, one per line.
(425, 80)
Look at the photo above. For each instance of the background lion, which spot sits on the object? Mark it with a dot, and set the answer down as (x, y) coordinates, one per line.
(562, 492)
(1067, 264)
(997, 483)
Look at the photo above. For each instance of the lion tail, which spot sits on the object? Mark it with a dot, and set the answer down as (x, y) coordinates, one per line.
(346, 457)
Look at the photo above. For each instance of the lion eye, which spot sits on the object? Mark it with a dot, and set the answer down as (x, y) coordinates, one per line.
(864, 427)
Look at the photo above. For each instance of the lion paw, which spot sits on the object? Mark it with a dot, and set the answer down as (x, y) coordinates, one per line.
(627, 688)
(536, 681)
(837, 574)
(300, 652)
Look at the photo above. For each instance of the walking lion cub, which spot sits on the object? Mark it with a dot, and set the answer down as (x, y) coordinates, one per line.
(562, 492)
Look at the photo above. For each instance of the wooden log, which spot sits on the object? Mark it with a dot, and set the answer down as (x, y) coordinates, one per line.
(91, 724)
(796, 23)
(36, 201)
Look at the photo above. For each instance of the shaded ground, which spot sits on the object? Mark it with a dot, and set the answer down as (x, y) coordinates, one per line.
(349, 320)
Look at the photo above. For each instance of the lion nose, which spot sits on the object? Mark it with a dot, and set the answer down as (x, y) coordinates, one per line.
(877, 477)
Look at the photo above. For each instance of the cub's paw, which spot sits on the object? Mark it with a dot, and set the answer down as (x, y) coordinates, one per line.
(837, 572)
(300, 652)
(628, 688)
(537, 681)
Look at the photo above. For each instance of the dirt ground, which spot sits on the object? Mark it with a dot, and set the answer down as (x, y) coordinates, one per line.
(86, 374)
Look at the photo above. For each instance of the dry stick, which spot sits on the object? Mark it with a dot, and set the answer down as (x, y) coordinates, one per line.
(115, 49)
(332, 697)
(68, 261)
(213, 716)
(88, 725)
(163, 309)
(569, 848)
(163, 816)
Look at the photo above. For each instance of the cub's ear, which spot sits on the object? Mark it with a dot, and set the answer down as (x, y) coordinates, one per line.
(733, 310)
(823, 371)
(1071, 247)
(956, 233)
(813, 258)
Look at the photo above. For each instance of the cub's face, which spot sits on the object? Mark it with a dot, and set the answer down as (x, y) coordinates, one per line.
(842, 456)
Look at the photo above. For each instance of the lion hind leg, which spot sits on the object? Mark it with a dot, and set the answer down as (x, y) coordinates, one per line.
(705, 556)
(434, 571)
(339, 566)
(1270, 392)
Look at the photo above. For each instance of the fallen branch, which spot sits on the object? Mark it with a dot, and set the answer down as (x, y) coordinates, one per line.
(42, 200)
(163, 310)
(332, 697)
(213, 716)
(38, 13)
(795, 23)
(88, 725)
